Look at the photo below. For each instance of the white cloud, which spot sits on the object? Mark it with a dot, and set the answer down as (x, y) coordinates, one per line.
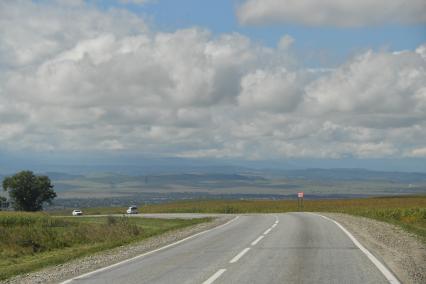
(373, 83)
(32, 33)
(419, 152)
(286, 42)
(341, 13)
(278, 90)
(113, 84)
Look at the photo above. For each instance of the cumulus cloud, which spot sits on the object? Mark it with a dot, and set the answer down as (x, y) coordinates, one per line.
(278, 90)
(111, 83)
(383, 82)
(32, 33)
(340, 13)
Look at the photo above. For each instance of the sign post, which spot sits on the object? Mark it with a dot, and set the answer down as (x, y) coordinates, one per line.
(300, 200)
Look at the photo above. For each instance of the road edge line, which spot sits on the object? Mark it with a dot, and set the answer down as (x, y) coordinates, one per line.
(147, 253)
(382, 268)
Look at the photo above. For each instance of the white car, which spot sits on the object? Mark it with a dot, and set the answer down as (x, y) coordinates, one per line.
(132, 210)
(77, 212)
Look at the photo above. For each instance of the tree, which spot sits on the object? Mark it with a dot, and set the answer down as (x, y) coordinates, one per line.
(28, 191)
(2, 202)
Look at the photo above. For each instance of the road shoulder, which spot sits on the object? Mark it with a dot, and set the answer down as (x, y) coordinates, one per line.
(402, 252)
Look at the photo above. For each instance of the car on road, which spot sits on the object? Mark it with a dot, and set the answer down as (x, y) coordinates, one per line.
(77, 212)
(132, 210)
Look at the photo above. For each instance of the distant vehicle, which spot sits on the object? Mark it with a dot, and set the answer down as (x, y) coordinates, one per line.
(132, 210)
(77, 212)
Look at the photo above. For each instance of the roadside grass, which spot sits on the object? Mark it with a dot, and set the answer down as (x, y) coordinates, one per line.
(408, 212)
(90, 211)
(31, 241)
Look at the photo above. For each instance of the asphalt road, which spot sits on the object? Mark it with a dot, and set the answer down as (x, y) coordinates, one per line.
(282, 248)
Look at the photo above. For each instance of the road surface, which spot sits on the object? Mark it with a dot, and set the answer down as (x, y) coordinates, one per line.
(269, 248)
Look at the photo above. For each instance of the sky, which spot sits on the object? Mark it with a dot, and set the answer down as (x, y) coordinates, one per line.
(214, 79)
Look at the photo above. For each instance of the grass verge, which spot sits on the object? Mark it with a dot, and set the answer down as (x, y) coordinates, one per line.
(31, 241)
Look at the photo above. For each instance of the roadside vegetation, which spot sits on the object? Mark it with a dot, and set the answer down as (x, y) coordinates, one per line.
(409, 212)
(91, 211)
(30, 241)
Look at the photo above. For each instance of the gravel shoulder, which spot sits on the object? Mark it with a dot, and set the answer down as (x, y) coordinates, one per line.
(400, 251)
(58, 273)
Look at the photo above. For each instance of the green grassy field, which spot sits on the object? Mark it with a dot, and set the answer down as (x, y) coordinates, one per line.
(91, 211)
(30, 241)
(408, 212)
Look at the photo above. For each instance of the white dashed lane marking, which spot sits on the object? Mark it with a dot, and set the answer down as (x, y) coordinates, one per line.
(257, 240)
(240, 255)
(214, 276)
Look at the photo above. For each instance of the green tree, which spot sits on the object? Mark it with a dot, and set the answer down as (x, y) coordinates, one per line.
(28, 191)
(2, 200)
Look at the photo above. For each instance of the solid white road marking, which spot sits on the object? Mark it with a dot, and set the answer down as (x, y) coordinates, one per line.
(267, 231)
(214, 276)
(383, 269)
(240, 255)
(257, 240)
(273, 226)
(147, 253)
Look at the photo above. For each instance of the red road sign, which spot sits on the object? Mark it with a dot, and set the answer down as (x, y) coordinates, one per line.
(300, 194)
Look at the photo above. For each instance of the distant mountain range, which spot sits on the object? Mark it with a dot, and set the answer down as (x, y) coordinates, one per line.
(240, 174)
(353, 175)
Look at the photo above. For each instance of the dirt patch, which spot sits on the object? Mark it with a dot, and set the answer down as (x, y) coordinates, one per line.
(402, 252)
